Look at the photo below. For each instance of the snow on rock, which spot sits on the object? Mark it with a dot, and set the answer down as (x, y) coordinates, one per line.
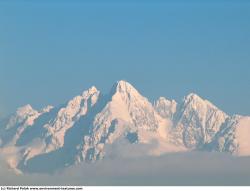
(165, 108)
(16, 124)
(234, 136)
(47, 109)
(243, 136)
(81, 129)
(23, 113)
(141, 111)
(67, 116)
(126, 112)
(198, 121)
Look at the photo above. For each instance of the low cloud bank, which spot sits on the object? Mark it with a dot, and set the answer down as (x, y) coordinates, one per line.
(195, 168)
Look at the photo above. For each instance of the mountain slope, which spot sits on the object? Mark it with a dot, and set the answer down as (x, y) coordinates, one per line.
(233, 137)
(126, 115)
(85, 126)
(197, 121)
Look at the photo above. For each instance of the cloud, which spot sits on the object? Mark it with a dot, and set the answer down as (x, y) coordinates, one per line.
(196, 168)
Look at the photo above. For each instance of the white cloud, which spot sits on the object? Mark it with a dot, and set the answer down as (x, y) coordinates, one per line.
(172, 169)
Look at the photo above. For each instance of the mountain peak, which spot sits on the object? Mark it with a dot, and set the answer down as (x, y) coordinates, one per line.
(89, 122)
(166, 108)
(92, 90)
(47, 109)
(195, 100)
(124, 87)
(24, 110)
(163, 99)
(193, 96)
(122, 84)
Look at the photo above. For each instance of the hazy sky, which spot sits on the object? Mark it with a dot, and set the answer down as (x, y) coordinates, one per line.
(52, 50)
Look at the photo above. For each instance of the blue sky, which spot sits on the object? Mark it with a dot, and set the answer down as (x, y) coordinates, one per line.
(51, 51)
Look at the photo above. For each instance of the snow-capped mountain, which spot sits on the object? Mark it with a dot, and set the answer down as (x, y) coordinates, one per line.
(197, 121)
(81, 129)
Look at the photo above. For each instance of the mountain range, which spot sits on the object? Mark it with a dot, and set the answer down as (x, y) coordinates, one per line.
(81, 129)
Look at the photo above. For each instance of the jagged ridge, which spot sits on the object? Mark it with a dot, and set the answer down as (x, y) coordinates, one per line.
(80, 129)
